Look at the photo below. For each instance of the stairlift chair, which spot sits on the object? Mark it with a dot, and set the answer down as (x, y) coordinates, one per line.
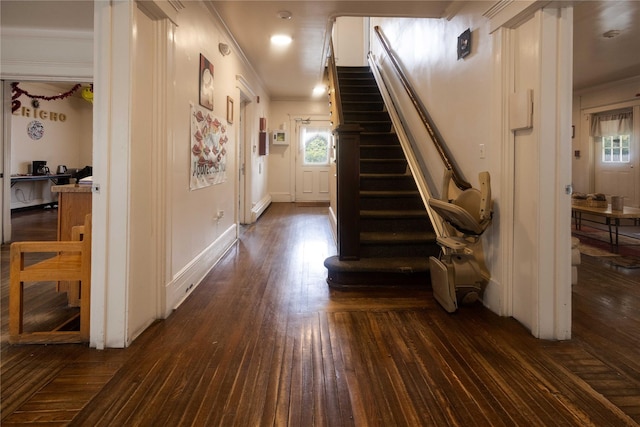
(458, 275)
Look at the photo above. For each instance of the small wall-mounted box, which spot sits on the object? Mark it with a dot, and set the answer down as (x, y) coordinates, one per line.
(263, 144)
(279, 137)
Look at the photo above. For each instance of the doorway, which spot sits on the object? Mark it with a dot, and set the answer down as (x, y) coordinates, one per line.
(313, 157)
(614, 136)
(48, 121)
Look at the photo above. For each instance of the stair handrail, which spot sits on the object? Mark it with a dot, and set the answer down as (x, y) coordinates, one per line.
(449, 164)
(334, 89)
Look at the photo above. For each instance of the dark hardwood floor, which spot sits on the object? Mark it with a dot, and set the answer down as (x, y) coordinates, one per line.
(263, 341)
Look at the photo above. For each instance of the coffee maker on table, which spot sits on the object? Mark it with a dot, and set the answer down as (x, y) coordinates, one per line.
(39, 167)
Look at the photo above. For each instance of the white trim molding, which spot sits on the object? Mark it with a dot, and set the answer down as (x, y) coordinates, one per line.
(46, 54)
(187, 279)
(258, 208)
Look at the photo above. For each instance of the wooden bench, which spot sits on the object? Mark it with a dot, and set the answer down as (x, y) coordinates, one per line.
(71, 262)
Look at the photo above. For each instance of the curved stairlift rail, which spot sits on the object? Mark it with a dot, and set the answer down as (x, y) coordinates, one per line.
(460, 182)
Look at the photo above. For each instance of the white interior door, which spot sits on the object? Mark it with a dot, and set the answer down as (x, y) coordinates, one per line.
(314, 143)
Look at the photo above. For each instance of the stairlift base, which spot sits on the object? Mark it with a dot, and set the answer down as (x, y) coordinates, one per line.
(455, 279)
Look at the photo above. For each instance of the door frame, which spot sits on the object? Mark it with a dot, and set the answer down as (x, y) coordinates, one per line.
(243, 137)
(5, 192)
(635, 141)
(296, 160)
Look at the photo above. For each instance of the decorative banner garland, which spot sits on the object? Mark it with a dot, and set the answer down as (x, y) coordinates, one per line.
(17, 92)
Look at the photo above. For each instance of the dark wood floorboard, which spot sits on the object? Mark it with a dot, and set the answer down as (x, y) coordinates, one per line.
(263, 341)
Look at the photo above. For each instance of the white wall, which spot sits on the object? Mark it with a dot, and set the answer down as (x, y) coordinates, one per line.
(350, 41)
(197, 236)
(282, 115)
(67, 139)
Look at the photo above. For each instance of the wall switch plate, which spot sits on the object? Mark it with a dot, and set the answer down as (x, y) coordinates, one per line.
(482, 151)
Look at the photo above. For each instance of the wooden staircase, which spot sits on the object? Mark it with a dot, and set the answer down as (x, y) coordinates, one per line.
(396, 237)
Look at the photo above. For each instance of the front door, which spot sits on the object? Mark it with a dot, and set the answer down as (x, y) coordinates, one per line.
(313, 159)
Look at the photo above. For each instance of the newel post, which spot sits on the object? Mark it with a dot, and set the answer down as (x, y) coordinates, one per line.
(348, 190)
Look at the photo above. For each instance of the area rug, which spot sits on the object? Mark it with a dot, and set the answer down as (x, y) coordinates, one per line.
(626, 258)
(624, 261)
(594, 251)
(604, 237)
(596, 243)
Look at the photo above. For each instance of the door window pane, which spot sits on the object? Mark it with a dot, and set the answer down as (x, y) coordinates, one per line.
(616, 149)
(316, 144)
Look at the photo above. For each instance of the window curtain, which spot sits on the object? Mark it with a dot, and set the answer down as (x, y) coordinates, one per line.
(611, 124)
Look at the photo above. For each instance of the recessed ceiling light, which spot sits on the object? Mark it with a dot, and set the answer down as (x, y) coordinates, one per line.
(281, 39)
(284, 14)
(611, 34)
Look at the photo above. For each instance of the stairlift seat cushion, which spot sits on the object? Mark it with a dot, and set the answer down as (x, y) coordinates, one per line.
(458, 217)
(469, 200)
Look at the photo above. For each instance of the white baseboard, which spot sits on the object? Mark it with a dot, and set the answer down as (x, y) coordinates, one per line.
(281, 197)
(333, 221)
(259, 208)
(491, 297)
(186, 280)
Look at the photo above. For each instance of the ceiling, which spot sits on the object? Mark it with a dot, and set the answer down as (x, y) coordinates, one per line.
(292, 73)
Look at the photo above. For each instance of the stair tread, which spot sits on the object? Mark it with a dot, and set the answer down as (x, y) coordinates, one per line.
(395, 213)
(397, 237)
(401, 264)
(389, 193)
(384, 175)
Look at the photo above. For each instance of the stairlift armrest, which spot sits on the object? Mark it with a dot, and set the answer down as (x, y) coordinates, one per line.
(451, 243)
(485, 196)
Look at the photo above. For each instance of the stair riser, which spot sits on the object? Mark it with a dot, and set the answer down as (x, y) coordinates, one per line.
(364, 74)
(372, 126)
(395, 183)
(397, 250)
(358, 280)
(395, 225)
(386, 167)
(357, 96)
(381, 152)
(386, 203)
(366, 81)
(366, 116)
(362, 106)
(379, 139)
(359, 90)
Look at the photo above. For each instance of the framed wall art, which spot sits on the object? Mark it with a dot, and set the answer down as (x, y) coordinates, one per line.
(206, 83)
(464, 43)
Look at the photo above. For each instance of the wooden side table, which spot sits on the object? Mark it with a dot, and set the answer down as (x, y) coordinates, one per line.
(74, 203)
